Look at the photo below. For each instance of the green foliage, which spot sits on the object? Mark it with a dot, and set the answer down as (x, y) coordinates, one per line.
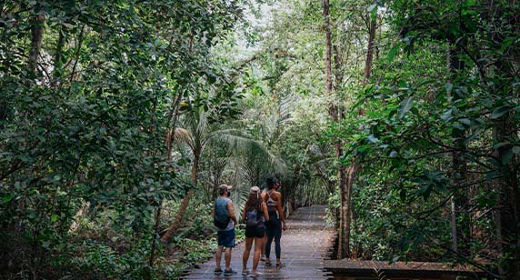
(88, 90)
(438, 129)
(438, 123)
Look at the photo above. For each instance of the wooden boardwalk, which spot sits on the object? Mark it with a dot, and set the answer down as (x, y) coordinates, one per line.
(304, 246)
(359, 269)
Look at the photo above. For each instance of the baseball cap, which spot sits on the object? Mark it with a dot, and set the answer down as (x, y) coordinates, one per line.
(224, 187)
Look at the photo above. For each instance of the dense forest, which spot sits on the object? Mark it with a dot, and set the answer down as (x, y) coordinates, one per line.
(119, 119)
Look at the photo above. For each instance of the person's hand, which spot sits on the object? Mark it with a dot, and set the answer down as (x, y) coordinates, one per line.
(284, 227)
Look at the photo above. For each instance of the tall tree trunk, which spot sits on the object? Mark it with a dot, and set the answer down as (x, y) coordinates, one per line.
(453, 213)
(155, 233)
(195, 166)
(453, 225)
(80, 213)
(174, 114)
(352, 170)
(58, 57)
(505, 130)
(345, 209)
(36, 42)
(333, 112)
(370, 50)
(185, 201)
(508, 216)
(498, 225)
(462, 234)
(37, 30)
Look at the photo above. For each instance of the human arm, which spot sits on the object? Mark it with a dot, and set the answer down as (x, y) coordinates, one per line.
(244, 214)
(264, 210)
(280, 211)
(231, 212)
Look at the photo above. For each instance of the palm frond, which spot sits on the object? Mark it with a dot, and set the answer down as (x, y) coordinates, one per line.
(182, 135)
(242, 145)
(239, 197)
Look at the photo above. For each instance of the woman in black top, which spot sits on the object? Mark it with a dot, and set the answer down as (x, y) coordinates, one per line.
(276, 224)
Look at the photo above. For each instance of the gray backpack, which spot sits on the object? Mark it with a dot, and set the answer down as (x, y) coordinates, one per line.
(252, 217)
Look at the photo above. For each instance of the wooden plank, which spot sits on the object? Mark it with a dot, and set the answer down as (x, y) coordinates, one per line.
(304, 246)
(359, 268)
(360, 264)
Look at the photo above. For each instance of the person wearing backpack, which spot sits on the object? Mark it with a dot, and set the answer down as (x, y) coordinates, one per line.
(224, 219)
(255, 214)
(273, 199)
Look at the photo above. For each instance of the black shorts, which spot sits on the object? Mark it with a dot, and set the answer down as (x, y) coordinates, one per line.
(258, 231)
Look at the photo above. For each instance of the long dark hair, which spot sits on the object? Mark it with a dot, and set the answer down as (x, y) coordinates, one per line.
(270, 182)
(254, 201)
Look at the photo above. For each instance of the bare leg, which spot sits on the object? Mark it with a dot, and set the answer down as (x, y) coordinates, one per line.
(258, 250)
(247, 250)
(264, 241)
(218, 256)
(227, 257)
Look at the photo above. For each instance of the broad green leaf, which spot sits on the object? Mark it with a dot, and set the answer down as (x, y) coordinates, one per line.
(392, 53)
(465, 121)
(446, 116)
(499, 112)
(373, 11)
(372, 7)
(7, 198)
(506, 158)
(448, 87)
(499, 145)
(372, 139)
(406, 105)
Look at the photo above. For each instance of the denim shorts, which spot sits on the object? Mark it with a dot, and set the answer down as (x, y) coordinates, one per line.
(226, 238)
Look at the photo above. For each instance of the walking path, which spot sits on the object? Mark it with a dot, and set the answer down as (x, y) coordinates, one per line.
(304, 246)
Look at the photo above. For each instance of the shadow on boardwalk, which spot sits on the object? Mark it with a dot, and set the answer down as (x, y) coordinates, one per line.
(304, 246)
